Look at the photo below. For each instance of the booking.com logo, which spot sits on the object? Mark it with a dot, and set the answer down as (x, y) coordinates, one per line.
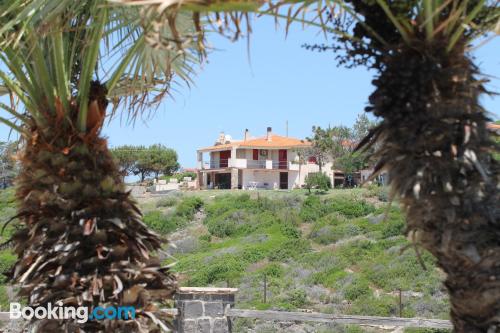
(79, 314)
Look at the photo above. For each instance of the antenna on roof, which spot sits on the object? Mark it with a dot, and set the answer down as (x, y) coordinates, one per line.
(286, 131)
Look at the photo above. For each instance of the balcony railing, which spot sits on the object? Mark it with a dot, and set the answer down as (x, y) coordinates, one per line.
(216, 164)
(249, 164)
(280, 164)
(252, 164)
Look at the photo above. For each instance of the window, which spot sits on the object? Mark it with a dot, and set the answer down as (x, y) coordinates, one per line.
(255, 154)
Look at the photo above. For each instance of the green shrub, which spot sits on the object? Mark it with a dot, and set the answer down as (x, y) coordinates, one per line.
(222, 268)
(4, 299)
(359, 287)
(188, 207)
(328, 234)
(312, 209)
(273, 269)
(180, 176)
(394, 226)
(169, 201)
(160, 222)
(205, 238)
(330, 277)
(318, 180)
(229, 223)
(7, 260)
(351, 207)
(297, 298)
(383, 306)
(290, 249)
(290, 231)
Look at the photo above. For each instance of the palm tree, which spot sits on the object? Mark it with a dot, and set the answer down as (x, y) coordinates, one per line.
(433, 139)
(81, 239)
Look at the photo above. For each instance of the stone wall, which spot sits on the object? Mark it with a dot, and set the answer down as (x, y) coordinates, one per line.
(203, 310)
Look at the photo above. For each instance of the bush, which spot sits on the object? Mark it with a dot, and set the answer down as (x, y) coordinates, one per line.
(230, 223)
(205, 238)
(222, 268)
(273, 270)
(4, 299)
(394, 226)
(383, 306)
(358, 288)
(180, 176)
(297, 298)
(290, 231)
(188, 207)
(312, 209)
(7, 260)
(160, 222)
(290, 249)
(169, 201)
(351, 207)
(319, 181)
(330, 278)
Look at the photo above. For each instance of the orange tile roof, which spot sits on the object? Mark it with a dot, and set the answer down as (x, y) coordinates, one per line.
(226, 146)
(277, 141)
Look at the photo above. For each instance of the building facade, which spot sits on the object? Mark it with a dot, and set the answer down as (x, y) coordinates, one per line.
(268, 162)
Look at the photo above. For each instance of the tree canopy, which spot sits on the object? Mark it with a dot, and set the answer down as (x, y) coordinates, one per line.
(145, 161)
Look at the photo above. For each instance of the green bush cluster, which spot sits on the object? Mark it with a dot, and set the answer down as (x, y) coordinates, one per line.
(188, 207)
(292, 248)
(160, 222)
(169, 201)
(184, 212)
(7, 260)
(358, 288)
(318, 180)
(222, 268)
(351, 207)
(313, 208)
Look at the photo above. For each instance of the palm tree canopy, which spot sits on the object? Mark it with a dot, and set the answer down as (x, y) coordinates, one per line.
(51, 51)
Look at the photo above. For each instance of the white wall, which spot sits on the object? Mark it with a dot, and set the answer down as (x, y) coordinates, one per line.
(272, 178)
(261, 176)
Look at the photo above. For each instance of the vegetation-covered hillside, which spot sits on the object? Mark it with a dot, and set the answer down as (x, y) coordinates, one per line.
(330, 253)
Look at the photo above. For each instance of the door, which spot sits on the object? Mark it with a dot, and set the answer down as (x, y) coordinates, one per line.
(283, 180)
(282, 159)
(224, 158)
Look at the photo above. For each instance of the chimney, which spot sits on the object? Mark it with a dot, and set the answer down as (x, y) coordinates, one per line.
(222, 138)
(269, 134)
(247, 135)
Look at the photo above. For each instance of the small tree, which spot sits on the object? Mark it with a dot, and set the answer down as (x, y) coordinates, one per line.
(162, 160)
(319, 145)
(125, 157)
(319, 181)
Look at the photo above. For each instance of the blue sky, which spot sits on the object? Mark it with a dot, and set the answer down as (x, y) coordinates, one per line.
(280, 82)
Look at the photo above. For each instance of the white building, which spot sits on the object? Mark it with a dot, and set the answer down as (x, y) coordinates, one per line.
(268, 162)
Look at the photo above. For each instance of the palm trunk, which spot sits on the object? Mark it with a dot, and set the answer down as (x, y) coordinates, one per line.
(437, 151)
(82, 240)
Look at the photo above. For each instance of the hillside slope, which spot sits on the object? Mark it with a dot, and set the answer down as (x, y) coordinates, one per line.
(331, 253)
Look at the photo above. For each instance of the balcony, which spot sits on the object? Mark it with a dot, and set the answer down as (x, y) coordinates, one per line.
(252, 164)
(216, 164)
(280, 165)
(242, 163)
